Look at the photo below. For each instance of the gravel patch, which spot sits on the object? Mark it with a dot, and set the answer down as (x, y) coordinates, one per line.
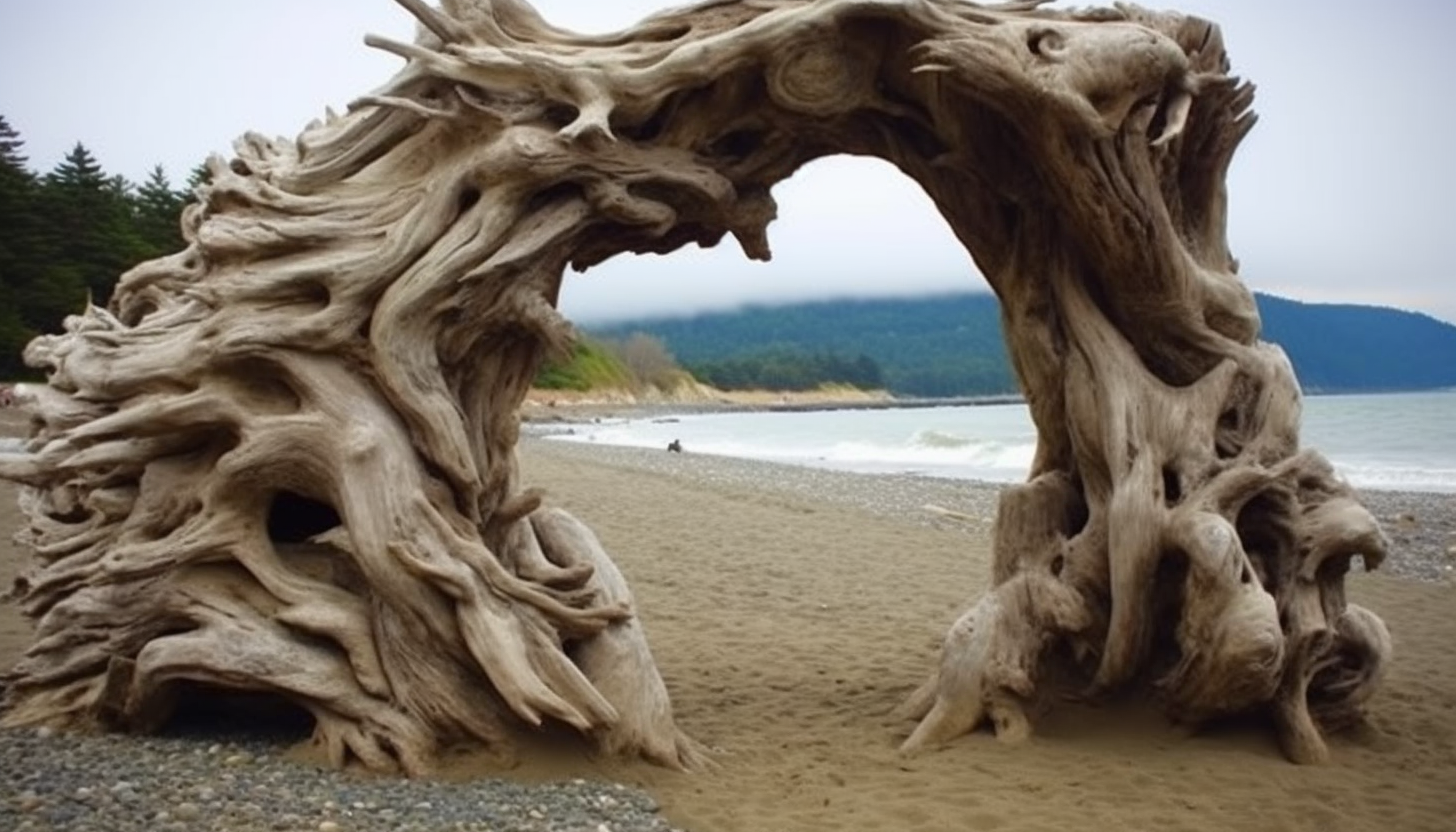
(51, 781)
(1421, 526)
(1422, 532)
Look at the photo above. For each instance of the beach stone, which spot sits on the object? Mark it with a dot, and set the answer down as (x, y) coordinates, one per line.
(187, 812)
(329, 826)
(29, 802)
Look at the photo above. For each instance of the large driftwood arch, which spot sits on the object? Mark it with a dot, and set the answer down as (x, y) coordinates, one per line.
(359, 313)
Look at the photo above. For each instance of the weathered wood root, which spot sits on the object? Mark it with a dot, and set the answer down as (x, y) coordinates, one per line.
(991, 659)
(617, 659)
(176, 579)
(346, 341)
(1207, 549)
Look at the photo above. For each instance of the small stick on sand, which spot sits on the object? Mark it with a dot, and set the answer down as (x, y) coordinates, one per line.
(954, 515)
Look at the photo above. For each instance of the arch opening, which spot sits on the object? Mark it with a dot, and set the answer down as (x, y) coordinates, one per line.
(880, 237)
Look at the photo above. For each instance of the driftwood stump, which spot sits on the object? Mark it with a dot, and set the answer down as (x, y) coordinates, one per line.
(283, 460)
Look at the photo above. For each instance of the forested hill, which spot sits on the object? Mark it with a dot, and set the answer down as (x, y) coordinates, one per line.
(939, 346)
(951, 345)
(67, 236)
(1348, 348)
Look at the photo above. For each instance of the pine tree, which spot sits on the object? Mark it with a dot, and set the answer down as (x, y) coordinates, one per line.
(90, 218)
(71, 234)
(17, 193)
(21, 256)
(79, 170)
(200, 175)
(158, 211)
(11, 157)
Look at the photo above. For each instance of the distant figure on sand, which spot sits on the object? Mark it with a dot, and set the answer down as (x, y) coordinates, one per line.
(7, 396)
(675, 446)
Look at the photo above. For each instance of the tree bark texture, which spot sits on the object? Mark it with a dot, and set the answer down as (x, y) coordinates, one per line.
(345, 342)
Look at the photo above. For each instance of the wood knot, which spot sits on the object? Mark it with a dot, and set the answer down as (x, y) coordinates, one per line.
(821, 77)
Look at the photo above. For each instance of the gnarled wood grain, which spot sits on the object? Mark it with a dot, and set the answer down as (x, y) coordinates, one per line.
(344, 344)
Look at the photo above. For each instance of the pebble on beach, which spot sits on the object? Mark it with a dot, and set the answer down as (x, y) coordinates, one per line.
(117, 783)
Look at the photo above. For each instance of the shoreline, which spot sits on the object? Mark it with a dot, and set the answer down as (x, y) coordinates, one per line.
(549, 406)
(1421, 525)
(544, 419)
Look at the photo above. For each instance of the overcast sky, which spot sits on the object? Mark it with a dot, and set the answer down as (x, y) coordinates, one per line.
(1344, 191)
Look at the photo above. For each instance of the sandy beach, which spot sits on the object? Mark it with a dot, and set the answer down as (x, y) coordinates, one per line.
(790, 610)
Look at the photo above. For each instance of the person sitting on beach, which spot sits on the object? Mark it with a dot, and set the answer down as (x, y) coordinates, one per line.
(675, 446)
(7, 396)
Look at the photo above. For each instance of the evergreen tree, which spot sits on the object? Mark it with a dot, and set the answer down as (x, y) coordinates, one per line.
(90, 218)
(200, 175)
(158, 210)
(79, 170)
(17, 192)
(118, 186)
(21, 252)
(12, 157)
(70, 234)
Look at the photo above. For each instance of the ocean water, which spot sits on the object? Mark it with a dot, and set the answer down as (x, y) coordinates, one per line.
(1404, 442)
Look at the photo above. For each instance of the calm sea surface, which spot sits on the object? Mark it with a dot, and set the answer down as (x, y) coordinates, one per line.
(1401, 442)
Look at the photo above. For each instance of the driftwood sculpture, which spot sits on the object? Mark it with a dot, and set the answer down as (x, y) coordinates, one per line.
(283, 459)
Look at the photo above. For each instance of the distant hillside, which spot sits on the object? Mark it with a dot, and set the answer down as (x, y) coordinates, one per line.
(1348, 348)
(951, 345)
(940, 346)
